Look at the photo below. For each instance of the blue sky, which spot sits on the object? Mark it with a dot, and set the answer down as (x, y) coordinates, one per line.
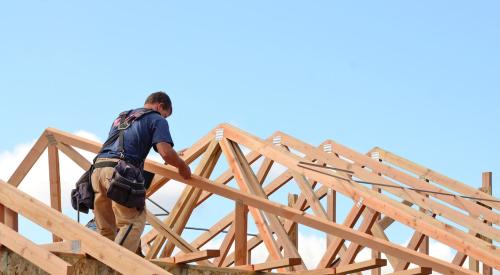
(419, 78)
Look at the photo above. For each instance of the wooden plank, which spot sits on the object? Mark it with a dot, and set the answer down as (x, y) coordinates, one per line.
(240, 226)
(351, 268)
(487, 187)
(99, 247)
(67, 247)
(308, 220)
(286, 262)
(434, 176)
(55, 182)
(33, 253)
(414, 271)
(294, 230)
(376, 254)
(190, 257)
(331, 211)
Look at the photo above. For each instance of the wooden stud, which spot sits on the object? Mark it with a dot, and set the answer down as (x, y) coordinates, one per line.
(240, 225)
(331, 210)
(55, 182)
(414, 271)
(487, 187)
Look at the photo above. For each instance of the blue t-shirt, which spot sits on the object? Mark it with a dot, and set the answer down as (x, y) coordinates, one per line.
(143, 134)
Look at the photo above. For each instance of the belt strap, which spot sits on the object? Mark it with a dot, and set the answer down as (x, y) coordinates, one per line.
(103, 164)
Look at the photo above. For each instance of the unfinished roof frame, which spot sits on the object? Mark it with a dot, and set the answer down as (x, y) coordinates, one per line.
(274, 221)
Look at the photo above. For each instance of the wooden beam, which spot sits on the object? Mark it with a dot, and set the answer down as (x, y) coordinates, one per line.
(99, 247)
(331, 209)
(33, 253)
(286, 262)
(351, 268)
(190, 257)
(55, 182)
(414, 271)
(240, 226)
(68, 247)
(294, 230)
(487, 187)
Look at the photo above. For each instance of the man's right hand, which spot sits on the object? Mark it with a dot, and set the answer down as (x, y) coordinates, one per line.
(185, 171)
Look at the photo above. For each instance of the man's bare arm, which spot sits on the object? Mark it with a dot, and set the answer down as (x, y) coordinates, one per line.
(171, 157)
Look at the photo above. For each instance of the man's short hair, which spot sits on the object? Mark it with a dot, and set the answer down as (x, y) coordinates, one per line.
(159, 97)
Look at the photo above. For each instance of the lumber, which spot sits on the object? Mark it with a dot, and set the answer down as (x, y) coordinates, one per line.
(191, 257)
(32, 252)
(99, 247)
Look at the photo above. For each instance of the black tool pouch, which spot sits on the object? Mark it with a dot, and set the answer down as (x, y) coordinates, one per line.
(127, 186)
(82, 197)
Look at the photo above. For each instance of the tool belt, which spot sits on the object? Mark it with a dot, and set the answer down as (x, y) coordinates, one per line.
(127, 186)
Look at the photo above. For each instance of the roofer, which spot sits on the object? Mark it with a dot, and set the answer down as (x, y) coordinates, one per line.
(117, 178)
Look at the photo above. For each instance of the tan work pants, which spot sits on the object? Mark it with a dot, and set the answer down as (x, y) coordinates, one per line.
(110, 216)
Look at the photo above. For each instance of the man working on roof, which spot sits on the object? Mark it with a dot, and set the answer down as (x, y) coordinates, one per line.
(147, 128)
